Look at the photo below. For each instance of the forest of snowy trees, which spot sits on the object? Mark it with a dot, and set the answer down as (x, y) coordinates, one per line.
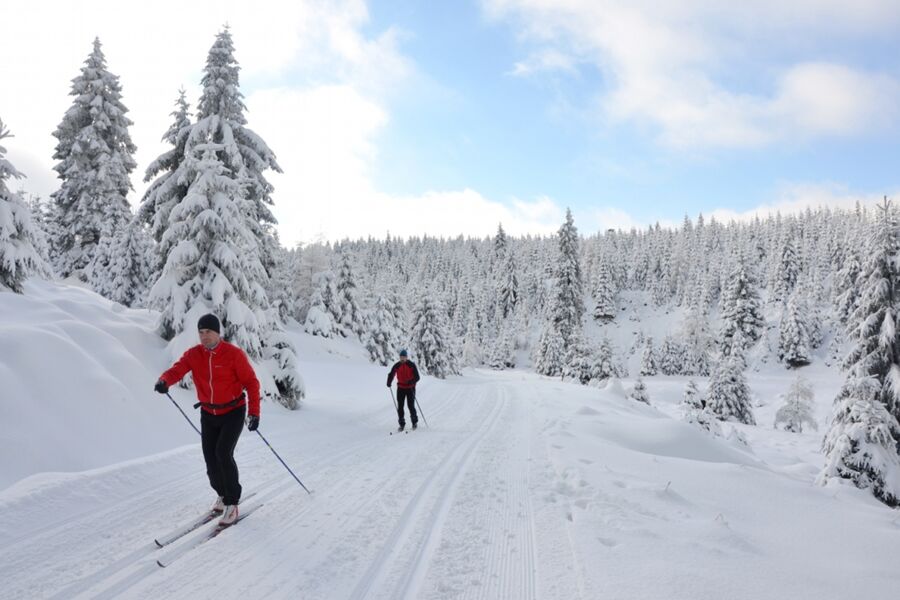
(823, 285)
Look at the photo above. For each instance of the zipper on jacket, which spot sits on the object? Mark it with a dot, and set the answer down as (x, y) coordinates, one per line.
(211, 392)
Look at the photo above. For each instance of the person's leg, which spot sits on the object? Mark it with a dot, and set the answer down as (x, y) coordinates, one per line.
(401, 399)
(210, 428)
(413, 415)
(232, 426)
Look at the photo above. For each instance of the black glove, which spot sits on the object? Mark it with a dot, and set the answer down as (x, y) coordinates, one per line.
(252, 422)
(389, 385)
(161, 386)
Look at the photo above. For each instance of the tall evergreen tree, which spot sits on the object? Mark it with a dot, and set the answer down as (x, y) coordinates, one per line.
(793, 341)
(507, 286)
(320, 316)
(604, 295)
(127, 280)
(350, 316)
(649, 360)
(217, 242)
(567, 303)
(429, 342)
(862, 442)
(382, 336)
(18, 256)
(95, 155)
(741, 310)
(222, 100)
(729, 394)
(167, 188)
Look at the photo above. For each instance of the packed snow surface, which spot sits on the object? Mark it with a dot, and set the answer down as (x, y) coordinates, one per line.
(520, 487)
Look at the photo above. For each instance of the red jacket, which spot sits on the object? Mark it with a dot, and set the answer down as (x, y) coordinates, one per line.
(230, 375)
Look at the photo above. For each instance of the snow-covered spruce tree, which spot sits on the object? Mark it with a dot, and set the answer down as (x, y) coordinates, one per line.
(787, 270)
(604, 295)
(579, 361)
(18, 257)
(793, 339)
(847, 289)
(350, 316)
(695, 412)
(649, 360)
(507, 285)
(127, 279)
(212, 267)
(862, 442)
(222, 99)
(797, 407)
(741, 310)
(605, 364)
(729, 395)
(503, 351)
(167, 189)
(382, 335)
(639, 392)
(280, 290)
(217, 245)
(566, 306)
(95, 155)
(471, 353)
(429, 342)
(41, 238)
(320, 319)
(671, 357)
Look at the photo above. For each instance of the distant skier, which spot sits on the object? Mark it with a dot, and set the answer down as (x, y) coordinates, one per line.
(407, 375)
(223, 378)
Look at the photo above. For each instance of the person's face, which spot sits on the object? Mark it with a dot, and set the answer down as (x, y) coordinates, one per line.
(209, 338)
(403, 359)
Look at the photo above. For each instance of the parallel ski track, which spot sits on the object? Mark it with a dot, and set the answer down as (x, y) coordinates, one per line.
(131, 569)
(442, 482)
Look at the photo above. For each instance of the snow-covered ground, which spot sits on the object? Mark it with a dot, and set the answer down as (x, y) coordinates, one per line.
(522, 487)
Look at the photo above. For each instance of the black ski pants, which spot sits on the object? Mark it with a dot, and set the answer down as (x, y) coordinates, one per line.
(407, 396)
(219, 434)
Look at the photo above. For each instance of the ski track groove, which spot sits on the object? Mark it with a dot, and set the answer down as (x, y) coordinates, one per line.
(131, 561)
(137, 570)
(386, 558)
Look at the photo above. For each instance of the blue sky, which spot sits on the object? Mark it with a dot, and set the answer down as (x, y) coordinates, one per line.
(448, 117)
(481, 126)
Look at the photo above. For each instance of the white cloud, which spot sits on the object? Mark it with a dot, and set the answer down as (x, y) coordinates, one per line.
(318, 91)
(673, 65)
(794, 198)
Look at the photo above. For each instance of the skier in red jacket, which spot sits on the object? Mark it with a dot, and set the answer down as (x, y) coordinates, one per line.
(224, 380)
(407, 375)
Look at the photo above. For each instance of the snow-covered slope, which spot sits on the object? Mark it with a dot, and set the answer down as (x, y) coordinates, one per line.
(522, 487)
(76, 383)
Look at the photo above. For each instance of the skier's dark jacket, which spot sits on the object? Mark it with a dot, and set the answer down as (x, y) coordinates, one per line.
(220, 375)
(407, 375)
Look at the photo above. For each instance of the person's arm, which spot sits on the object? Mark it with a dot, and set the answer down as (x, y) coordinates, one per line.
(391, 374)
(178, 370)
(248, 379)
(415, 373)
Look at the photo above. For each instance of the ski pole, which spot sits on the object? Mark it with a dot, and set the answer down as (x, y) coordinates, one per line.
(191, 423)
(282, 461)
(391, 390)
(421, 413)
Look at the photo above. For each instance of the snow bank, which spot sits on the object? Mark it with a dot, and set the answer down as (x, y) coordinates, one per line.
(76, 383)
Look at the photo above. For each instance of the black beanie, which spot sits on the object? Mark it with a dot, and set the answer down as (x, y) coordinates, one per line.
(209, 321)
